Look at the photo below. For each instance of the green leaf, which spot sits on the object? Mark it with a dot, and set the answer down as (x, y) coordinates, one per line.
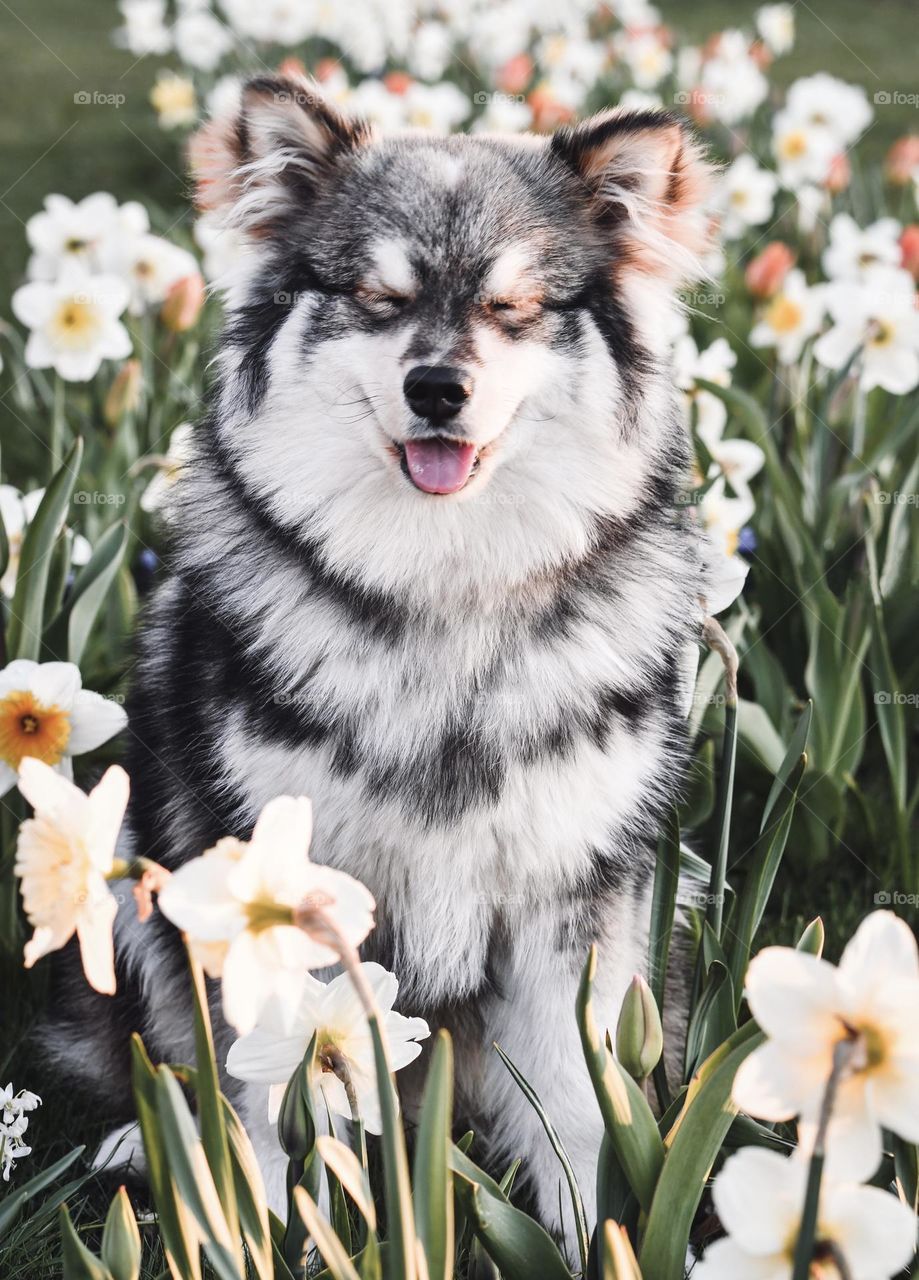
(519, 1247)
(121, 1239)
(26, 621)
(250, 1194)
(210, 1109)
(177, 1228)
(813, 938)
(663, 906)
(764, 865)
(91, 588)
(330, 1247)
(433, 1184)
(347, 1169)
(712, 1018)
(401, 1256)
(78, 1262)
(694, 1143)
(12, 1205)
(193, 1178)
(626, 1115)
(716, 891)
(577, 1202)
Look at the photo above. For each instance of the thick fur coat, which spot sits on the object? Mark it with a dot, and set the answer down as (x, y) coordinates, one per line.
(481, 689)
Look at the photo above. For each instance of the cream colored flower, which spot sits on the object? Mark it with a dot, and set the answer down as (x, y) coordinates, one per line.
(807, 1007)
(237, 902)
(63, 856)
(332, 1011)
(759, 1196)
(74, 322)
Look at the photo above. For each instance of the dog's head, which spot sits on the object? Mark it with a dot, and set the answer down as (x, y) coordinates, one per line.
(448, 346)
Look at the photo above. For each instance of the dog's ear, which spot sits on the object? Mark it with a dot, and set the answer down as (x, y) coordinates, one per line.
(648, 181)
(270, 154)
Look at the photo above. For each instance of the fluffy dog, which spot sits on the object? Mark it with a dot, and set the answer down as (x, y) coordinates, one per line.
(431, 570)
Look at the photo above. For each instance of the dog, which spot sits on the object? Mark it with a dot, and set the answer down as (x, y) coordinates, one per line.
(431, 569)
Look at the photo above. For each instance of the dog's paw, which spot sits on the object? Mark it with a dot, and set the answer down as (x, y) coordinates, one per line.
(122, 1151)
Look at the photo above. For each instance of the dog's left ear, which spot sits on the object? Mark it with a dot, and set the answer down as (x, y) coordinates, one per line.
(648, 182)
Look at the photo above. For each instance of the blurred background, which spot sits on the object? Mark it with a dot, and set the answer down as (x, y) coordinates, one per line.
(54, 50)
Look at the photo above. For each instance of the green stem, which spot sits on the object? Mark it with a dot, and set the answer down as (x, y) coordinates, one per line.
(717, 639)
(56, 443)
(807, 1230)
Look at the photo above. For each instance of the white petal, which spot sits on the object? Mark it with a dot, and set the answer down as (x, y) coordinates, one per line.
(754, 1196)
(94, 720)
(18, 674)
(97, 950)
(794, 997)
(196, 899)
(894, 1099)
(33, 304)
(853, 1146)
(77, 366)
(246, 983)
(875, 1232)
(882, 948)
(774, 1084)
(108, 801)
(47, 792)
(56, 683)
(263, 1058)
(725, 1260)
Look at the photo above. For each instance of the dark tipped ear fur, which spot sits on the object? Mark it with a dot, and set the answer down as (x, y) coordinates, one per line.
(648, 178)
(256, 162)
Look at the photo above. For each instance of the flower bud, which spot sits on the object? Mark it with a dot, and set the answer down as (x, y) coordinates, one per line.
(839, 174)
(514, 75)
(909, 249)
(183, 303)
(124, 393)
(902, 160)
(764, 275)
(639, 1036)
(812, 938)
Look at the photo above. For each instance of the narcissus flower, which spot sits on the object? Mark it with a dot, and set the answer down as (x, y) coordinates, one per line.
(74, 322)
(759, 1196)
(332, 1011)
(794, 315)
(876, 316)
(46, 714)
(64, 854)
(253, 911)
(807, 1007)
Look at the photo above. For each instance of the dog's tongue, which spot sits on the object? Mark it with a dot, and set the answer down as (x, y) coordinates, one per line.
(439, 466)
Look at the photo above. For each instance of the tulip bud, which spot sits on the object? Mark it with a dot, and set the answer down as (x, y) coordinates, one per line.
(124, 393)
(183, 303)
(812, 938)
(639, 1036)
(515, 74)
(765, 274)
(902, 160)
(398, 82)
(295, 68)
(840, 173)
(909, 249)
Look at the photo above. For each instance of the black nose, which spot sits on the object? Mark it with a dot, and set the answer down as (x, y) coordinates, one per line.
(437, 391)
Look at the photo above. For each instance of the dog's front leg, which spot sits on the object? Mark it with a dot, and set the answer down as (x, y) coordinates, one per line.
(533, 1020)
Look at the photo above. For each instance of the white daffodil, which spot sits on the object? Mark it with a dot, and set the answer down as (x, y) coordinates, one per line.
(150, 265)
(852, 251)
(200, 39)
(63, 856)
(823, 102)
(237, 905)
(145, 30)
(74, 322)
(776, 25)
(732, 84)
(714, 364)
(803, 151)
(807, 1007)
(79, 233)
(746, 196)
(333, 1012)
(174, 101)
(158, 492)
(878, 315)
(17, 510)
(759, 1197)
(47, 715)
(440, 108)
(793, 315)
(738, 461)
(647, 58)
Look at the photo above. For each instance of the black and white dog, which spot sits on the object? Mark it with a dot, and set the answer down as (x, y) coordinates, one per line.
(431, 571)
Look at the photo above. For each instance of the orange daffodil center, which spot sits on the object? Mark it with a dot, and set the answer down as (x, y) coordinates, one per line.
(29, 728)
(785, 315)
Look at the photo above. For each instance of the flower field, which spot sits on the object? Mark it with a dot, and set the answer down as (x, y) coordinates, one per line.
(776, 1135)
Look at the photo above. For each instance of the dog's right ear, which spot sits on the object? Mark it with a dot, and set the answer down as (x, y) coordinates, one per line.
(261, 161)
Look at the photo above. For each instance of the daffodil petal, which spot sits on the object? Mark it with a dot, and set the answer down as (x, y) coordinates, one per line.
(94, 720)
(794, 997)
(725, 1260)
(754, 1198)
(97, 951)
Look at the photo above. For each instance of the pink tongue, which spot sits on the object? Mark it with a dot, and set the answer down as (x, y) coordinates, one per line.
(439, 466)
